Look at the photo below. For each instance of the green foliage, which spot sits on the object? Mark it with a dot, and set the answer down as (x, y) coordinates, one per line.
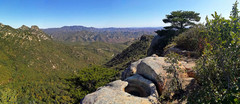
(181, 19)
(218, 69)
(173, 59)
(89, 79)
(167, 36)
(192, 39)
(52, 91)
(234, 12)
(234, 15)
(33, 68)
(8, 96)
(132, 53)
(173, 69)
(174, 83)
(169, 33)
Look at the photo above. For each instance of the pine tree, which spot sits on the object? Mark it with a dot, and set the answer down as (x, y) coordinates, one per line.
(181, 19)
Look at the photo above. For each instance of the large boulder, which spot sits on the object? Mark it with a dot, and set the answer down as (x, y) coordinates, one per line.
(131, 70)
(151, 68)
(134, 90)
(150, 64)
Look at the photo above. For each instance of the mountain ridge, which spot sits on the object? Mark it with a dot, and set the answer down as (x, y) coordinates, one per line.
(147, 27)
(91, 34)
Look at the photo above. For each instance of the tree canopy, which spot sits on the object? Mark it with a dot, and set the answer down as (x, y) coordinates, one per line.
(234, 12)
(181, 19)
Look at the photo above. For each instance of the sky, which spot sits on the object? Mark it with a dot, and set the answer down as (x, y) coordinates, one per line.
(103, 13)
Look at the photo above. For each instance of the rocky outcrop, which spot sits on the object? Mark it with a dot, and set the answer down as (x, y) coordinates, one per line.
(133, 90)
(141, 87)
(34, 27)
(142, 83)
(35, 31)
(24, 27)
(151, 68)
(157, 45)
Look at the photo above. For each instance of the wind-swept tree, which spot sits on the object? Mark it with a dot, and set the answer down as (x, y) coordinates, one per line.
(181, 19)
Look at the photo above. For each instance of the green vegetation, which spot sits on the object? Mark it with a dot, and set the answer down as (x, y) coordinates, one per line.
(191, 40)
(8, 96)
(218, 69)
(180, 22)
(193, 36)
(87, 80)
(181, 19)
(174, 84)
(133, 53)
(218, 74)
(167, 36)
(34, 68)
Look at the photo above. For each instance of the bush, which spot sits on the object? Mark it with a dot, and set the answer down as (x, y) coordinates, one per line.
(191, 39)
(89, 79)
(174, 85)
(168, 33)
(8, 96)
(218, 70)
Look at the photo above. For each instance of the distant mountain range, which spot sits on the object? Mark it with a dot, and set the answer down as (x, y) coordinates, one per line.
(91, 34)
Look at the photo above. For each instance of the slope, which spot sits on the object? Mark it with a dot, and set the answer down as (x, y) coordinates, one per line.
(134, 52)
(33, 66)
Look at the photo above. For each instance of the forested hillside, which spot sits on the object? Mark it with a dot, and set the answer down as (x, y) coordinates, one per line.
(134, 52)
(90, 34)
(33, 67)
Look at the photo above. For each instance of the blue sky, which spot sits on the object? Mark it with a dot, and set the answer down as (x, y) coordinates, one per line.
(103, 13)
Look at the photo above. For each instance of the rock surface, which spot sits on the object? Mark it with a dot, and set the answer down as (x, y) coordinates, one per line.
(156, 45)
(139, 86)
(150, 68)
(34, 27)
(186, 53)
(143, 82)
(24, 27)
(188, 82)
(153, 68)
(114, 92)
